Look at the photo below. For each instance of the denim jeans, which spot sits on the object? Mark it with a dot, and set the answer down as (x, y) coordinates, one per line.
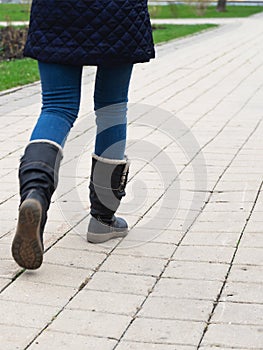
(61, 90)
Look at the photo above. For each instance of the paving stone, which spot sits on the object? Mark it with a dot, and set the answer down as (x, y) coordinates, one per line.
(243, 292)
(254, 226)
(187, 289)
(217, 254)
(212, 238)
(196, 270)
(152, 235)
(108, 302)
(90, 323)
(6, 226)
(8, 268)
(165, 331)
(57, 275)
(252, 240)
(127, 345)
(121, 283)
(246, 274)
(250, 256)
(4, 282)
(65, 341)
(238, 313)
(158, 225)
(228, 207)
(14, 337)
(134, 265)
(73, 257)
(215, 215)
(216, 347)
(222, 226)
(144, 249)
(234, 336)
(5, 252)
(37, 293)
(78, 241)
(26, 315)
(177, 309)
(238, 197)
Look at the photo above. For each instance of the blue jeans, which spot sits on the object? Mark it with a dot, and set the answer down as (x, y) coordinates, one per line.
(61, 90)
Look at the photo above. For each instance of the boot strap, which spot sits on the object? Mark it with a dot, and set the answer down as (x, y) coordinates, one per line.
(124, 177)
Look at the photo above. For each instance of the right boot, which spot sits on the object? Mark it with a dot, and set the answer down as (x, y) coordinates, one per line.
(38, 177)
(107, 188)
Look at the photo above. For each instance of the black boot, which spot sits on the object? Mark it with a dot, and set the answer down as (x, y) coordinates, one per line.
(38, 176)
(107, 187)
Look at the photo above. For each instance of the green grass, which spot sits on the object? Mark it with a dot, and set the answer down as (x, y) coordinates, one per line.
(186, 11)
(20, 12)
(168, 32)
(14, 12)
(18, 72)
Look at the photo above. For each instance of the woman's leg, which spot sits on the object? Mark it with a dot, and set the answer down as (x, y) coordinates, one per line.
(109, 165)
(39, 166)
(61, 89)
(110, 103)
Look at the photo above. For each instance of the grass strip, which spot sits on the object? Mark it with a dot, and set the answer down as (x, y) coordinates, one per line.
(14, 12)
(18, 72)
(20, 12)
(166, 32)
(187, 11)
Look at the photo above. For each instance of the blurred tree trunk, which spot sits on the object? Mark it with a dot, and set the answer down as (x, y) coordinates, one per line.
(221, 5)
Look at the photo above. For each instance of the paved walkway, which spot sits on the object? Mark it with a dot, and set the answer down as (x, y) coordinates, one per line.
(189, 274)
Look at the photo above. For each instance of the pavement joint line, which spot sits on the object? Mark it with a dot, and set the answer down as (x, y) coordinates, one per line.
(191, 71)
(81, 286)
(235, 114)
(229, 120)
(202, 93)
(152, 204)
(199, 119)
(19, 273)
(155, 92)
(179, 244)
(242, 302)
(213, 60)
(230, 267)
(9, 154)
(6, 234)
(180, 241)
(70, 190)
(186, 165)
(7, 199)
(218, 135)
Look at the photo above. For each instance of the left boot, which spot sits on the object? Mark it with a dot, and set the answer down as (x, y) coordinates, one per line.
(107, 188)
(38, 177)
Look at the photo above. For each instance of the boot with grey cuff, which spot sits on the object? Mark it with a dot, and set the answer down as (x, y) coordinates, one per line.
(38, 177)
(107, 187)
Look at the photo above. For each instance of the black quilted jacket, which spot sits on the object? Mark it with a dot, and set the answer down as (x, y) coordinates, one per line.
(90, 32)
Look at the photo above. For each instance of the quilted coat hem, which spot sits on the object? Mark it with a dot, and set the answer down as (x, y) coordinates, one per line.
(88, 62)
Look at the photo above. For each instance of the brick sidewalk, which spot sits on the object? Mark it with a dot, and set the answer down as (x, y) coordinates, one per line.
(189, 274)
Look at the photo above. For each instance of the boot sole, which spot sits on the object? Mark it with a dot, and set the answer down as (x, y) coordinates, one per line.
(104, 237)
(27, 248)
(99, 232)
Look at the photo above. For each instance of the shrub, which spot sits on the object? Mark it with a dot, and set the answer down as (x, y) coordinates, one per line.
(12, 41)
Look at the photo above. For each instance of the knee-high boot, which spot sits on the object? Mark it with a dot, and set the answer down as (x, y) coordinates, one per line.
(107, 187)
(38, 176)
